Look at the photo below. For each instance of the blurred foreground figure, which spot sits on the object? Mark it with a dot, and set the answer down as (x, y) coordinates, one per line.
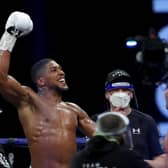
(105, 149)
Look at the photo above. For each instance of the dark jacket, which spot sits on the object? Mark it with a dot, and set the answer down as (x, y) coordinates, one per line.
(101, 153)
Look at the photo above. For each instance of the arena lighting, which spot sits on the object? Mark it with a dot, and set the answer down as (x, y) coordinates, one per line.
(160, 6)
(134, 42)
(131, 43)
(163, 33)
(160, 99)
(163, 128)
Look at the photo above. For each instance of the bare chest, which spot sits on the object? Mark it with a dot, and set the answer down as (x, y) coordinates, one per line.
(49, 120)
(58, 116)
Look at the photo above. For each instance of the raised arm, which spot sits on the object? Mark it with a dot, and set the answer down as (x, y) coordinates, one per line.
(17, 25)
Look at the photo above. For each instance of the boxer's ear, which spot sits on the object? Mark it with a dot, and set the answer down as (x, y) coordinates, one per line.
(41, 82)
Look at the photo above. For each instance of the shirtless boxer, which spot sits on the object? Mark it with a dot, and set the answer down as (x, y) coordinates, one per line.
(49, 123)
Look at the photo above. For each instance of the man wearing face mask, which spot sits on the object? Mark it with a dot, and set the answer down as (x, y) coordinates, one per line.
(119, 91)
(143, 136)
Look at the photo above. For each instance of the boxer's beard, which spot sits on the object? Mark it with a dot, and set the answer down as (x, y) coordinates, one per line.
(60, 90)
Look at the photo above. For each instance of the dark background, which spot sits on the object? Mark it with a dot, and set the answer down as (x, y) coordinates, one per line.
(88, 40)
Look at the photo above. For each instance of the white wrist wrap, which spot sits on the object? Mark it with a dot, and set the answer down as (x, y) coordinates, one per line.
(7, 41)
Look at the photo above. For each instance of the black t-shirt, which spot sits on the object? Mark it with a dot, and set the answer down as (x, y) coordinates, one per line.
(145, 134)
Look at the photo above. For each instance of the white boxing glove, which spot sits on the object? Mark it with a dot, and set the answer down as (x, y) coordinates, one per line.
(18, 24)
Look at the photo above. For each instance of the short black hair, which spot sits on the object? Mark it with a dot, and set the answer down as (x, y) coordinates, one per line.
(38, 68)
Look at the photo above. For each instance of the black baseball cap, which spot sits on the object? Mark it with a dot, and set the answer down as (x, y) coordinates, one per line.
(118, 79)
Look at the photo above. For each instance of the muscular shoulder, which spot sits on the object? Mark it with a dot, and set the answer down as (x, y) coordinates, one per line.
(74, 106)
(28, 94)
(27, 88)
(77, 109)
